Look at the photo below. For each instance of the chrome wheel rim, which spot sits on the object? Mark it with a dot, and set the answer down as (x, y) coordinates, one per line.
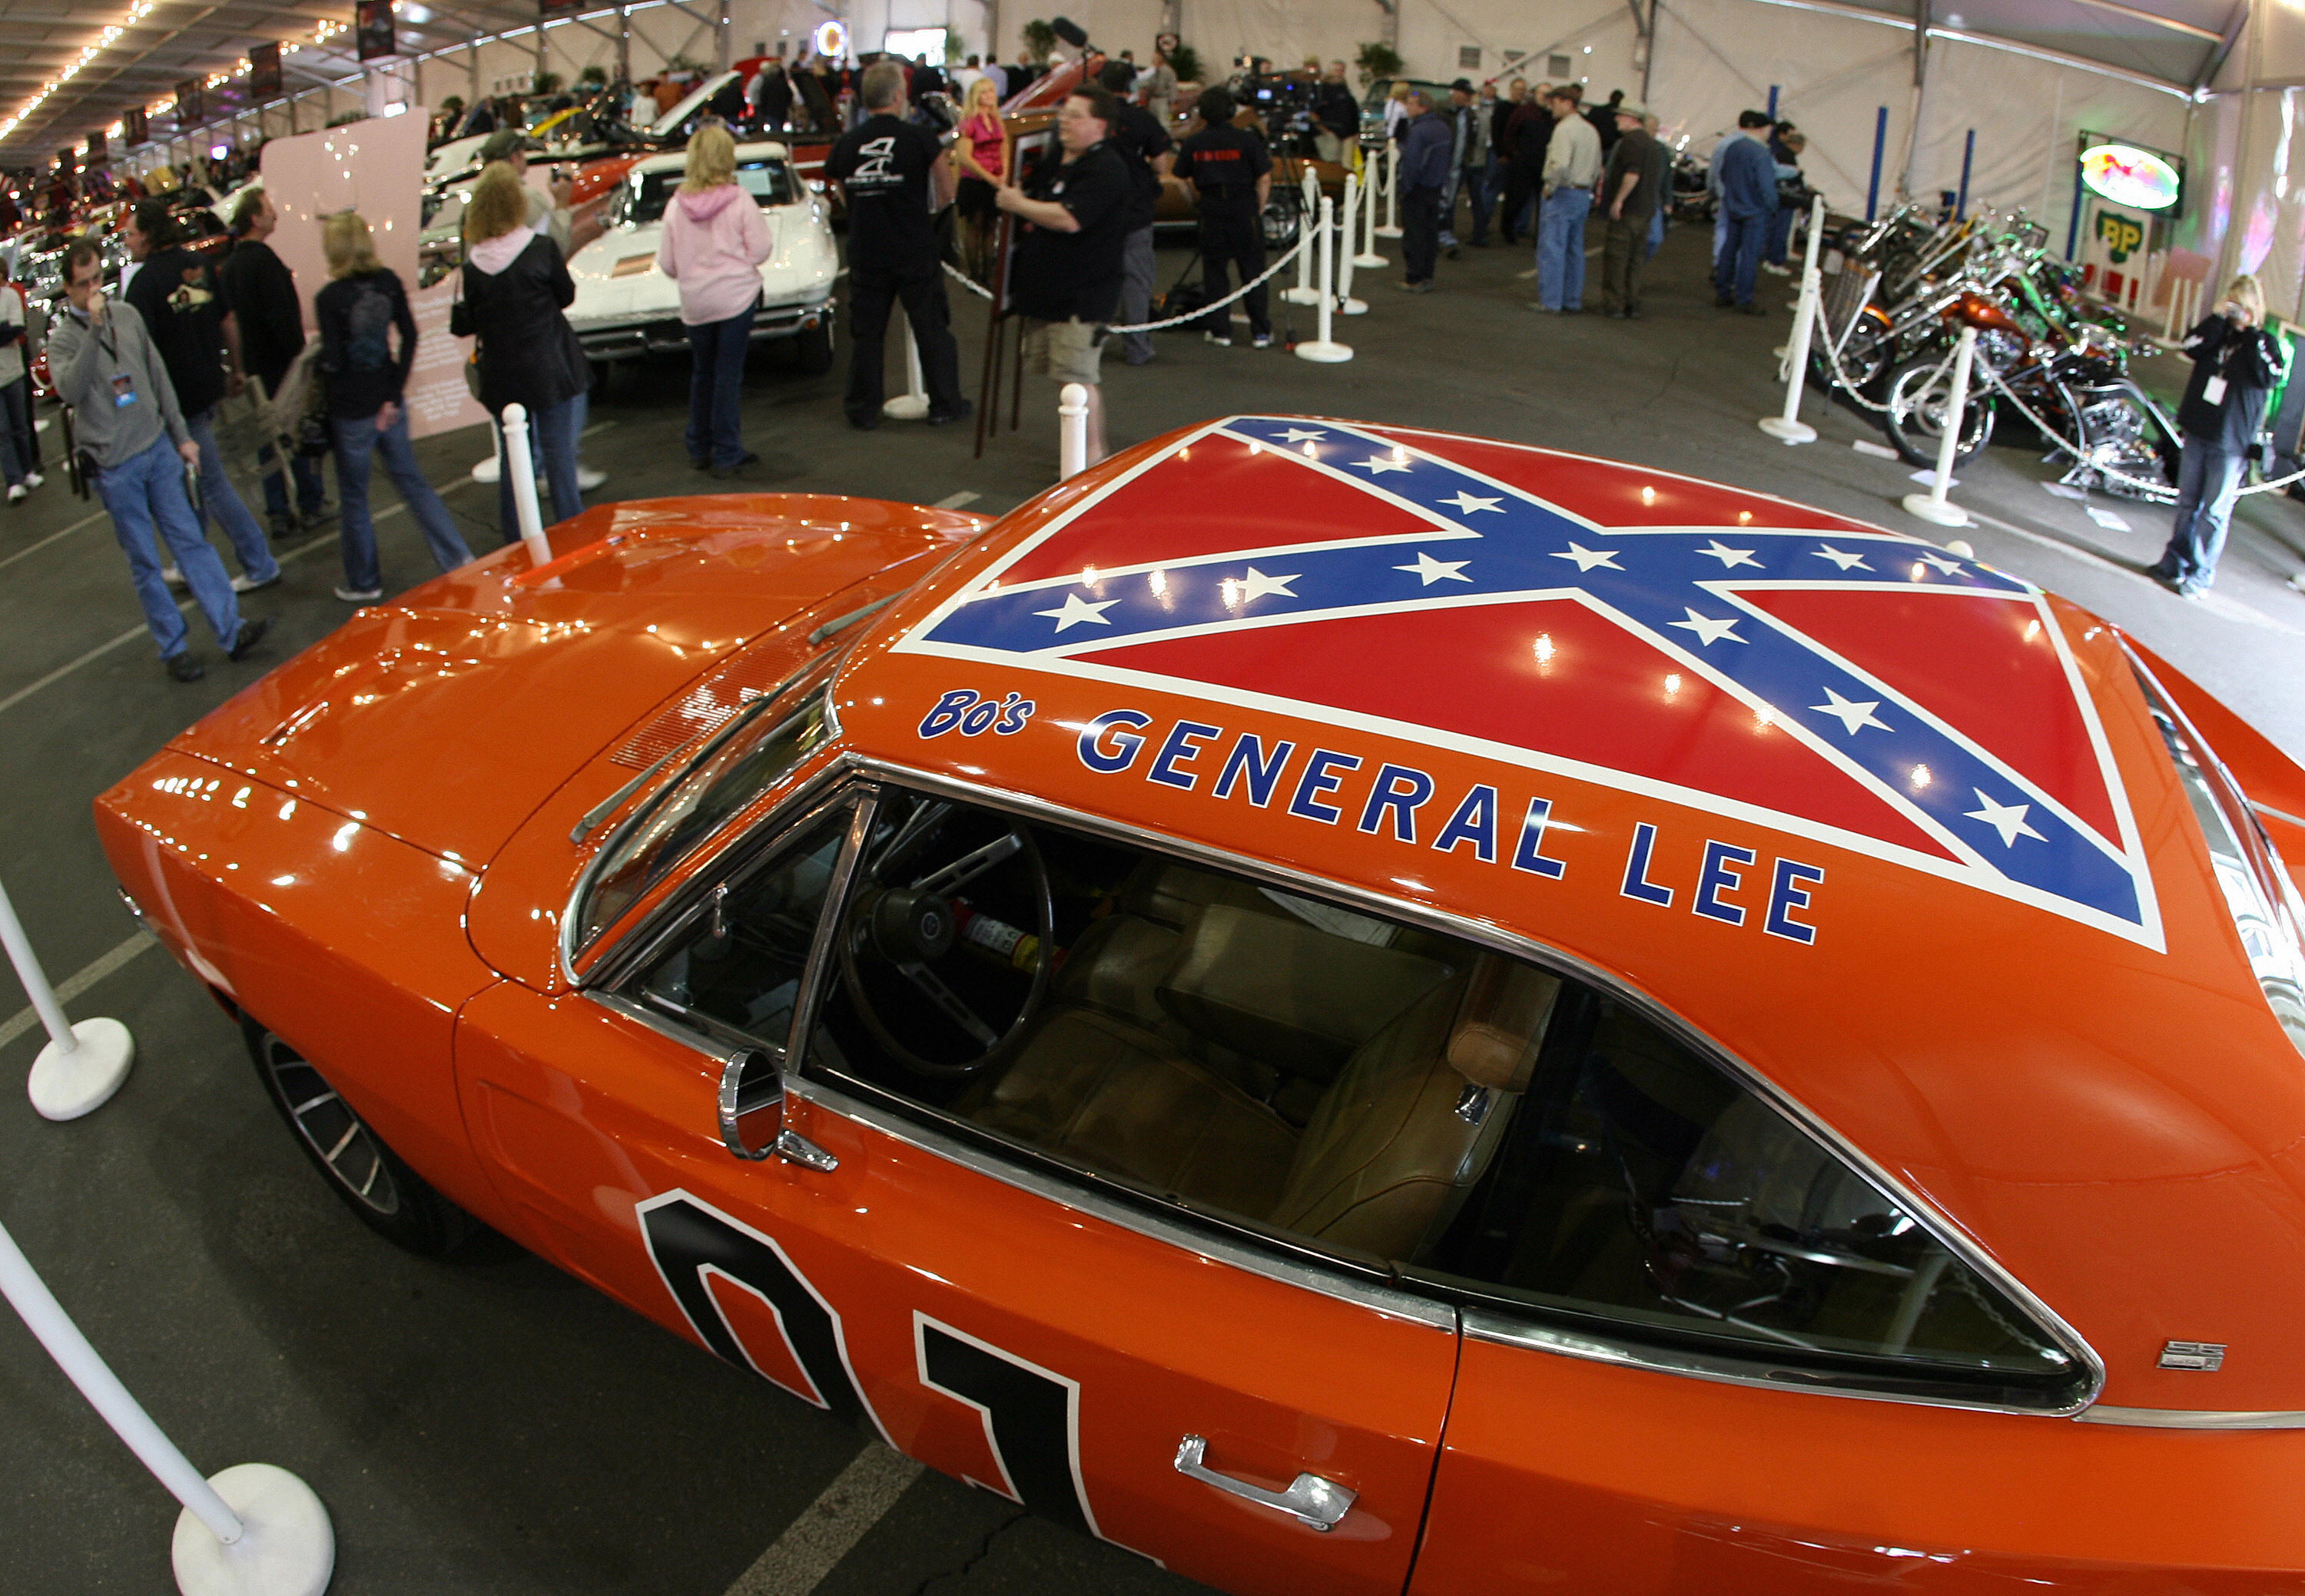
(340, 1139)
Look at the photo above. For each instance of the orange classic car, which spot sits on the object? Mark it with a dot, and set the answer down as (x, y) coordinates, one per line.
(1348, 1008)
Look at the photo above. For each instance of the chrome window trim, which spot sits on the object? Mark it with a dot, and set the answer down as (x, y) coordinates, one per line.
(1081, 1200)
(2192, 1419)
(1502, 939)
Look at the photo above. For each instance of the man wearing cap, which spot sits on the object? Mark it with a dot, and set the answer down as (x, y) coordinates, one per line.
(547, 216)
(1469, 160)
(1628, 185)
(1424, 149)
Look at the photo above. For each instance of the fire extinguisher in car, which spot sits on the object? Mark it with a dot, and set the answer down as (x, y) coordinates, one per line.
(1019, 950)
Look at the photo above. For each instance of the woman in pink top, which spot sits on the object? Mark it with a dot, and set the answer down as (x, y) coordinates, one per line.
(715, 239)
(981, 152)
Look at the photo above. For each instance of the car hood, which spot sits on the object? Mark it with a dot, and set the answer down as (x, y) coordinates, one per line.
(443, 718)
(616, 274)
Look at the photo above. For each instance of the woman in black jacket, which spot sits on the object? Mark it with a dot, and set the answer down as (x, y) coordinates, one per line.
(2236, 365)
(514, 287)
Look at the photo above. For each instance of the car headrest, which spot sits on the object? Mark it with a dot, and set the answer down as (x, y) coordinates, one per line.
(1501, 1023)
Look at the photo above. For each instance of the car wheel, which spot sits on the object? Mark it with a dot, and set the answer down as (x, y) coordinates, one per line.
(391, 1199)
(812, 349)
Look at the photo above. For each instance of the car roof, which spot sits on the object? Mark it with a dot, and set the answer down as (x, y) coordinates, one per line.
(675, 160)
(1893, 829)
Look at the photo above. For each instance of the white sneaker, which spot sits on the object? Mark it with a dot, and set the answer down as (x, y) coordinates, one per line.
(16, 492)
(1775, 270)
(1222, 340)
(33, 479)
(357, 595)
(588, 479)
(171, 576)
(246, 583)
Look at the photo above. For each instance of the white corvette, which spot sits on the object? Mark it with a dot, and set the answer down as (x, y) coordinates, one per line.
(624, 306)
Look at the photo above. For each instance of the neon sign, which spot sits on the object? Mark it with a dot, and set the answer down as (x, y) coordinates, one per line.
(2129, 176)
(831, 39)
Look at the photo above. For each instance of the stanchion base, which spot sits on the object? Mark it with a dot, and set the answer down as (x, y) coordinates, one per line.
(1352, 307)
(1301, 296)
(1936, 511)
(1778, 427)
(1327, 351)
(485, 470)
(1383, 232)
(64, 1086)
(288, 1549)
(1371, 259)
(907, 407)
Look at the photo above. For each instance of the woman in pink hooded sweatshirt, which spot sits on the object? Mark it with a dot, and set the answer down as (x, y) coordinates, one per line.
(715, 239)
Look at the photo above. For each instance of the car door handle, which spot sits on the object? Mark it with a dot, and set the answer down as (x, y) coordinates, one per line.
(1312, 1501)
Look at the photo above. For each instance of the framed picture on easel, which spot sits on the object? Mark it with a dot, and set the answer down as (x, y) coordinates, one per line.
(1030, 140)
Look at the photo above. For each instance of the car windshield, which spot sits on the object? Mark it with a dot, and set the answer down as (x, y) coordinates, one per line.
(761, 744)
(769, 179)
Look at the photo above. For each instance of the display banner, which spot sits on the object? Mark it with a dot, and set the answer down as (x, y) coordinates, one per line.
(372, 30)
(96, 154)
(188, 104)
(559, 8)
(264, 72)
(134, 128)
(375, 167)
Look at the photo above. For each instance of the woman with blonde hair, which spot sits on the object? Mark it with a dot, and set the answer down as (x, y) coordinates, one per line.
(980, 153)
(2236, 365)
(714, 241)
(358, 311)
(514, 285)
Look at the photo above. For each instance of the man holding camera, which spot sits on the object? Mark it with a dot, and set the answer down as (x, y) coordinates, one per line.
(2236, 366)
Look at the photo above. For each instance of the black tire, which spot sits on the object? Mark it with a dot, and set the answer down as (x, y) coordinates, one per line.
(812, 349)
(1914, 394)
(391, 1199)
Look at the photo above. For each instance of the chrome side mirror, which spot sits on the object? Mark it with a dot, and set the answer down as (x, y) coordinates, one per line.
(751, 1104)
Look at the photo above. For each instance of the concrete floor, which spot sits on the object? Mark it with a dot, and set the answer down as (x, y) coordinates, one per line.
(494, 1426)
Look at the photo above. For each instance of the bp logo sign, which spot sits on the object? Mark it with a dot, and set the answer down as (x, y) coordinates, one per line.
(2120, 235)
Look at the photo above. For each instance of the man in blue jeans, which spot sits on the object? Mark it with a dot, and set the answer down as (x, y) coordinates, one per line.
(126, 418)
(1572, 165)
(1749, 204)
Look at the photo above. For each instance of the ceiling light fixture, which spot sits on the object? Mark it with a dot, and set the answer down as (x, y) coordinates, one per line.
(136, 14)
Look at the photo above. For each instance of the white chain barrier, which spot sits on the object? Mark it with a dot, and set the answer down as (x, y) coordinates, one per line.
(1304, 242)
(1308, 201)
(1932, 506)
(1787, 427)
(1347, 305)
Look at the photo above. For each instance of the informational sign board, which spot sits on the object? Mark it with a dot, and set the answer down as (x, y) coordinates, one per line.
(264, 72)
(374, 166)
(134, 128)
(188, 104)
(2132, 177)
(372, 32)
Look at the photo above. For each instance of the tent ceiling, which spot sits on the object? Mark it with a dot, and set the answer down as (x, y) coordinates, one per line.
(191, 39)
(2179, 42)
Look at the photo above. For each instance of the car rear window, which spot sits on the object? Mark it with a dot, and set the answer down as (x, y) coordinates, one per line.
(769, 179)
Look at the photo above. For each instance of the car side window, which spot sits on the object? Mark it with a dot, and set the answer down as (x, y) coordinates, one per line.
(733, 963)
(1645, 1191)
(1176, 1033)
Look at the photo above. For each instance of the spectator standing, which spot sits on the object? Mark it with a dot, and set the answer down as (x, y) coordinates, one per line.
(548, 215)
(1396, 109)
(514, 285)
(774, 96)
(1650, 125)
(965, 79)
(1066, 274)
(1336, 116)
(1232, 173)
(260, 293)
(1747, 188)
(927, 79)
(1470, 162)
(1424, 149)
(1500, 109)
(1572, 165)
(1787, 158)
(1460, 114)
(1160, 84)
(358, 312)
(714, 240)
(18, 464)
(1148, 152)
(174, 293)
(895, 179)
(1604, 119)
(2236, 366)
(980, 150)
(1629, 182)
(999, 75)
(1527, 130)
(126, 417)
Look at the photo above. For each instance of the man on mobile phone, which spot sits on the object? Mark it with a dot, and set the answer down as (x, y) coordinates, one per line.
(127, 420)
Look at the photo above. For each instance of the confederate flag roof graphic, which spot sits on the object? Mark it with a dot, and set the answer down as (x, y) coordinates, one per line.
(1854, 686)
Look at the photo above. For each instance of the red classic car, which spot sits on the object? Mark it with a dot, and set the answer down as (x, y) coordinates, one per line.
(1348, 1008)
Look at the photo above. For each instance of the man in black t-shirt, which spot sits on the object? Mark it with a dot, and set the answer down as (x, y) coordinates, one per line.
(895, 179)
(1231, 171)
(1064, 271)
(1144, 149)
(260, 291)
(175, 292)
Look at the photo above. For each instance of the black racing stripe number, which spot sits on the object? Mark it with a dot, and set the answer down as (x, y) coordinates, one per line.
(690, 1240)
(1032, 1418)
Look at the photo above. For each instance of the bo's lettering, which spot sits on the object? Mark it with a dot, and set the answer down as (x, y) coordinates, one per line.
(971, 714)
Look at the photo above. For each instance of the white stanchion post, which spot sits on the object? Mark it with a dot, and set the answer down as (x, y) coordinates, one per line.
(1931, 507)
(1325, 349)
(1368, 257)
(485, 470)
(252, 1531)
(1072, 431)
(1347, 305)
(523, 485)
(1305, 293)
(1391, 228)
(84, 1065)
(1789, 426)
(913, 404)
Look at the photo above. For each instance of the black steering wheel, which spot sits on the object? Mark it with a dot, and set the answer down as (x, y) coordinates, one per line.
(901, 918)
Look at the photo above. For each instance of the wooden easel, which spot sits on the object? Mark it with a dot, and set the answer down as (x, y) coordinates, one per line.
(997, 343)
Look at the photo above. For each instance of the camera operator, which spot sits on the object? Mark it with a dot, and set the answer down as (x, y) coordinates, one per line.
(1231, 171)
(2236, 366)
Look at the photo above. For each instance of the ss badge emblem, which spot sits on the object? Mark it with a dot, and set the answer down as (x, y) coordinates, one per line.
(2203, 1357)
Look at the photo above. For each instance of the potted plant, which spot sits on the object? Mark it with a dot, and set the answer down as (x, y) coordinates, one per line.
(1378, 60)
(1039, 39)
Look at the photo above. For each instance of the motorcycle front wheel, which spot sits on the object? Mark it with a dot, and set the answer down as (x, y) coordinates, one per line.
(1914, 397)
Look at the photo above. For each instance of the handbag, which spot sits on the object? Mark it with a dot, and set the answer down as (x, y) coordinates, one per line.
(460, 326)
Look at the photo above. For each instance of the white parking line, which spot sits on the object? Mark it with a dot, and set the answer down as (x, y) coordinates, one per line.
(30, 548)
(830, 1526)
(957, 501)
(80, 981)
